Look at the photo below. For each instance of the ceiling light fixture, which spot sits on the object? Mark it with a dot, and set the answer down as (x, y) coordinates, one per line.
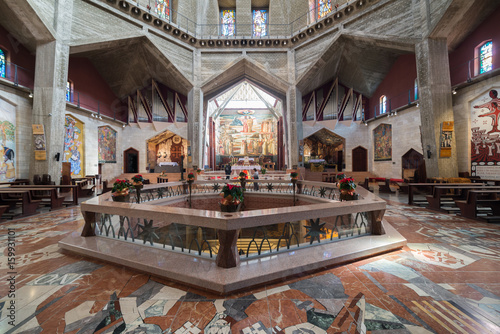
(31, 94)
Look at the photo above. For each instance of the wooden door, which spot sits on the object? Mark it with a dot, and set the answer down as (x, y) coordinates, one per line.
(176, 153)
(359, 159)
(131, 161)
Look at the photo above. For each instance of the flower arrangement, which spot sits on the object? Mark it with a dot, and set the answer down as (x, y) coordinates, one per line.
(263, 171)
(294, 175)
(243, 175)
(191, 176)
(347, 185)
(121, 187)
(340, 176)
(138, 178)
(198, 171)
(231, 194)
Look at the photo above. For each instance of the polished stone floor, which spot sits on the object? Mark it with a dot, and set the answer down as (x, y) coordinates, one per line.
(447, 280)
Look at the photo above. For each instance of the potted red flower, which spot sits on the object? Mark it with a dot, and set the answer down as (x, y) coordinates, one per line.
(121, 191)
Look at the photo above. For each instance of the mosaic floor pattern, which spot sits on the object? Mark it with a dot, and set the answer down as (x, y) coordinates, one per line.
(447, 280)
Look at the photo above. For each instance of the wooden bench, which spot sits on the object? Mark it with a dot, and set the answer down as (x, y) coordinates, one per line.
(489, 198)
(62, 187)
(429, 188)
(451, 192)
(84, 188)
(385, 187)
(12, 197)
(366, 184)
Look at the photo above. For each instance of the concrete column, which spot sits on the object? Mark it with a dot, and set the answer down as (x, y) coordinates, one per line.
(243, 18)
(49, 94)
(195, 126)
(435, 100)
(293, 130)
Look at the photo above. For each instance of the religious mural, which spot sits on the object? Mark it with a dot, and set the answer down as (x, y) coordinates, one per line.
(247, 132)
(382, 140)
(73, 146)
(8, 145)
(485, 136)
(107, 144)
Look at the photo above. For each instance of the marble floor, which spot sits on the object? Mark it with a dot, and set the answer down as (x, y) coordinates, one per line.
(447, 280)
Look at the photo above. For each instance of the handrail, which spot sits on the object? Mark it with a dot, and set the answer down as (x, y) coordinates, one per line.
(204, 31)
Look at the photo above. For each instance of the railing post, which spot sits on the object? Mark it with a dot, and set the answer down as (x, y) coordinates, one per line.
(409, 97)
(15, 75)
(78, 97)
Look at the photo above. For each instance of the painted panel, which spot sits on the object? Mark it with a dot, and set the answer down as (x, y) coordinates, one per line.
(107, 144)
(485, 136)
(246, 132)
(8, 146)
(382, 139)
(74, 146)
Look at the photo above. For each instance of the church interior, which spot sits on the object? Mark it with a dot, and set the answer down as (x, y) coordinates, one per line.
(250, 166)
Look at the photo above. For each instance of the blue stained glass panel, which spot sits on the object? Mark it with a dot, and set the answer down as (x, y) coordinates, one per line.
(228, 22)
(2, 64)
(162, 9)
(486, 57)
(260, 17)
(68, 91)
(324, 8)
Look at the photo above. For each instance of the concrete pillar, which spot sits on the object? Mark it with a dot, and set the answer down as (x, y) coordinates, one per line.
(196, 126)
(293, 98)
(49, 94)
(435, 100)
(243, 18)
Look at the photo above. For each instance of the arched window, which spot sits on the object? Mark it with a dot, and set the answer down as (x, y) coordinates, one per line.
(162, 9)
(416, 89)
(383, 104)
(484, 57)
(260, 22)
(3, 62)
(69, 91)
(228, 22)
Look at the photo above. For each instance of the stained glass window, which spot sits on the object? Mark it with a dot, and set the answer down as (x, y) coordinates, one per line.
(416, 89)
(228, 22)
(162, 9)
(260, 17)
(2, 63)
(69, 91)
(486, 57)
(383, 104)
(324, 8)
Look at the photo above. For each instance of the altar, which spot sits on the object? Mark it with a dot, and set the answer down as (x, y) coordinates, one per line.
(243, 167)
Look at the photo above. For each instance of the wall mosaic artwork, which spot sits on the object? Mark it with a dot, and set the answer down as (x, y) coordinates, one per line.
(7, 146)
(382, 140)
(73, 146)
(485, 135)
(107, 144)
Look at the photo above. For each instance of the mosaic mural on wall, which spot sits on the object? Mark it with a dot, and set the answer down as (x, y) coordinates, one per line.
(485, 135)
(8, 146)
(247, 132)
(73, 146)
(107, 144)
(382, 141)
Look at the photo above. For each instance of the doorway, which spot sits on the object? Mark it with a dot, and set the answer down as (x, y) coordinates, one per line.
(359, 159)
(131, 161)
(411, 162)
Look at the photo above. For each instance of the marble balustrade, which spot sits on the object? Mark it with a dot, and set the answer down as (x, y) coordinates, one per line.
(157, 211)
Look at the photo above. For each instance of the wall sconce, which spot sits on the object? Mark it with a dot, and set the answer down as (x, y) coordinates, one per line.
(454, 91)
(164, 154)
(31, 94)
(429, 153)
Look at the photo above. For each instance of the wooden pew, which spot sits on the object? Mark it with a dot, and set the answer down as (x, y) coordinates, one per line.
(14, 196)
(481, 198)
(61, 187)
(453, 192)
(430, 188)
(84, 188)
(366, 184)
(384, 187)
